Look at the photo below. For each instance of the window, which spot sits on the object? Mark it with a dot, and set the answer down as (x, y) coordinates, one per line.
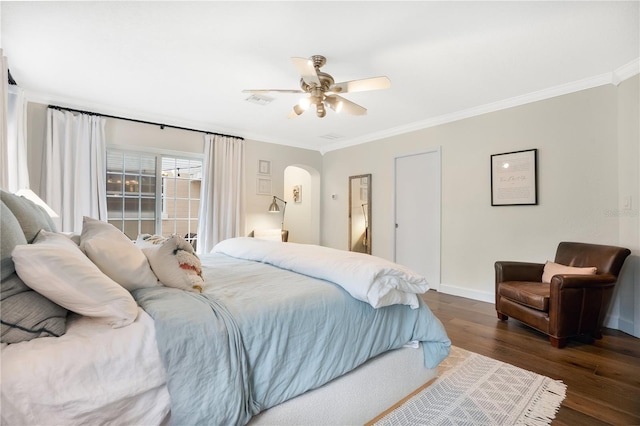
(181, 196)
(149, 193)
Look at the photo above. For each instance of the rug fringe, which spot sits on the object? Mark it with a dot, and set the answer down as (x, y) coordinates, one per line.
(545, 404)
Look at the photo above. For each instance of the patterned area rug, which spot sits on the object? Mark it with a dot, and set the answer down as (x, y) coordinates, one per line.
(475, 390)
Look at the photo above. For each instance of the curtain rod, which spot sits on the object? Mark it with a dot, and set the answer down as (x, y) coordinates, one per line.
(162, 126)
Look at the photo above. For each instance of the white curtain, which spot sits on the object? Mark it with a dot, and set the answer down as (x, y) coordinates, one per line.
(15, 172)
(75, 168)
(222, 209)
(4, 143)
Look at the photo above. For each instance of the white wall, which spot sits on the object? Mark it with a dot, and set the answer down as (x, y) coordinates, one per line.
(625, 313)
(299, 216)
(281, 157)
(579, 157)
(145, 136)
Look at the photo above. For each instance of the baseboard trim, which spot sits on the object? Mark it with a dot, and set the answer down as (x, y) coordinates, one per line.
(481, 296)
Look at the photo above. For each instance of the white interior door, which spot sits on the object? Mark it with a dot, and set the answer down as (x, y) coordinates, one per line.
(417, 214)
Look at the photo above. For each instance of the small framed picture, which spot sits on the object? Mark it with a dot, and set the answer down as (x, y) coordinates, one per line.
(264, 167)
(514, 178)
(297, 193)
(263, 186)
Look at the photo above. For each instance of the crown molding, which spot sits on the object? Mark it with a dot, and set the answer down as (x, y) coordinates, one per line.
(615, 77)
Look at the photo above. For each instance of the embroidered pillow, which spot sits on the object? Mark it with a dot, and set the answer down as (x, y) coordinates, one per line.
(175, 264)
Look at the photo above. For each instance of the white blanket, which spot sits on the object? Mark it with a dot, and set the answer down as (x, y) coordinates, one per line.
(370, 279)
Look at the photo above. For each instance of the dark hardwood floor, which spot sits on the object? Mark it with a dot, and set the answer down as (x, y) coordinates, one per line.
(603, 378)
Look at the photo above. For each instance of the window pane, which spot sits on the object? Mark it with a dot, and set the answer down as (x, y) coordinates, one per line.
(194, 207)
(131, 184)
(168, 228)
(114, 208)
(148, 185)
(195, 190)
(132, 163)
(148, 208)
(148, 165)
(115, 161)
(147, 227)
(182, 209)
(131, 208)
(131, 229)
(114, 183)
(182, 227)
(116, 223)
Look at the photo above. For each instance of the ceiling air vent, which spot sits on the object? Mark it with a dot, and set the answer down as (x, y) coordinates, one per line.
(259, 99)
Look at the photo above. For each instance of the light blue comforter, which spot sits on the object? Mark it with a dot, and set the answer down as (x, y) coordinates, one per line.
(260, 335)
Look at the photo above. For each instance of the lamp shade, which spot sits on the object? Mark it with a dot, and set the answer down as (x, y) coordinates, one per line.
(274, 208)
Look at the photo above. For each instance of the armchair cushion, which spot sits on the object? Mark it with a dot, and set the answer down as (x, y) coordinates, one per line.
(551, 269)
(534, 295)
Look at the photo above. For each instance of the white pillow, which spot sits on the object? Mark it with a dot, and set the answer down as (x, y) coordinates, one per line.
(116, 255)
(55, 267)
(176, 264)
(551, 269)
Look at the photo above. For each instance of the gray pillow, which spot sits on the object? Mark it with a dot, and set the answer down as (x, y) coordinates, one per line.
(12, 235)
(24, 313)
(27, 314)
(32, 218)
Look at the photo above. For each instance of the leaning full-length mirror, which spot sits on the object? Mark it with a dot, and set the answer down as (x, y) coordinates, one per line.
(360, 213)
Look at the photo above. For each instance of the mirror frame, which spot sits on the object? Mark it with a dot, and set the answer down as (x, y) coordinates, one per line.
(368, 211)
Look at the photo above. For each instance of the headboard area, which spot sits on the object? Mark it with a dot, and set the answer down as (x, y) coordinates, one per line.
(25, 314)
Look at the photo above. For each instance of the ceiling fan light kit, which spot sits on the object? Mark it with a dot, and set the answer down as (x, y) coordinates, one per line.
(323, 90)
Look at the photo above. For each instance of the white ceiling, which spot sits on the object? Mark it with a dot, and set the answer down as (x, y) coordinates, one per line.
(186, 63)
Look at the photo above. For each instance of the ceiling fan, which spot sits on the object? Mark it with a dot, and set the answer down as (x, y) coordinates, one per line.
(324, 91)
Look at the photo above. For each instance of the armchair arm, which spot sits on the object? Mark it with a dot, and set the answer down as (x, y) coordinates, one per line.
(565, 281)
(578, 303)
(518, 271)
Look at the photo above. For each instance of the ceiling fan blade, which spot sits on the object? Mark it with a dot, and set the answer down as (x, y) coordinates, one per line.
(373, 83)
(306, 70)
(262, 91)
(338, 103)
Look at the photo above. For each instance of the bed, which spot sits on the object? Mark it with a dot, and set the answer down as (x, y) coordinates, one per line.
(247, 334)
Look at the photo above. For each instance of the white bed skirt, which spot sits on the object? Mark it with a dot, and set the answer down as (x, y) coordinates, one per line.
(356, 397)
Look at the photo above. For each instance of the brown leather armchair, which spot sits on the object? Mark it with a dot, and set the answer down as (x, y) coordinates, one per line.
(569, 305)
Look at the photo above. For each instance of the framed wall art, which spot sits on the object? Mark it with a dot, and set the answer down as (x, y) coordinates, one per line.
(514, 178)
(264, 167)
(263, 186)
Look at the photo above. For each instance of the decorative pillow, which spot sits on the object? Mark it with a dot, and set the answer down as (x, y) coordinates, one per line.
(25, 314)
(176, 264)
(32, 217)
(55, 267)
(551, 269)
(116, 255)
(148, 240)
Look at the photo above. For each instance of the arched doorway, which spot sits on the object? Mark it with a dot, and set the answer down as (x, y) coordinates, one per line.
(303, 211)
